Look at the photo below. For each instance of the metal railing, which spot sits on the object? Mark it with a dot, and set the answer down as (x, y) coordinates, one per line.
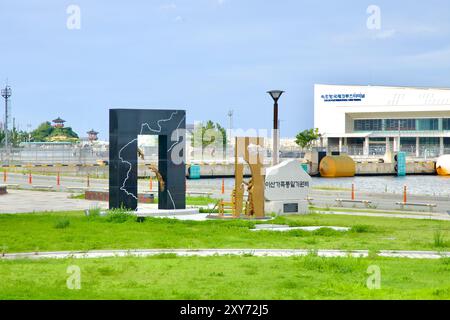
(43, 155)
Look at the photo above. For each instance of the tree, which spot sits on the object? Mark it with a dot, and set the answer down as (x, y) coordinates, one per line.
(206, 135)
(42, 132)
(306, 138)
(17, 137)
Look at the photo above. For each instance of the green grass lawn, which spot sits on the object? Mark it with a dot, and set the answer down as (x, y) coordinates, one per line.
(70, 231)
(229, 277)
(190, 201)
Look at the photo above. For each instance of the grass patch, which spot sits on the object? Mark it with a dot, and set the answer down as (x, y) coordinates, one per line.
(439, 239)
(362, 228)
(62, 223)
(225, 278)
(77, 196)
(117, 230)
(190, 201)
(119, 216)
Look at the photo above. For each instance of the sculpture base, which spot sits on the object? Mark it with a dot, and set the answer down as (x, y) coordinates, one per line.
(287, 207)
(144, 213)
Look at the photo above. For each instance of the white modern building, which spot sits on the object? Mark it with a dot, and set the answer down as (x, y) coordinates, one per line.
(370, 120)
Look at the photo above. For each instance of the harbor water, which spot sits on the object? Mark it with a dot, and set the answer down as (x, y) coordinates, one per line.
(418, 185)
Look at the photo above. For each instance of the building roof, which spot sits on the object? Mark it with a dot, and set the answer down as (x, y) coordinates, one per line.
(59, 120)
(382, 86)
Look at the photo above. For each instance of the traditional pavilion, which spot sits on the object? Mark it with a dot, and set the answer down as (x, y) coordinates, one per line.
(58, 123)
(92, 135)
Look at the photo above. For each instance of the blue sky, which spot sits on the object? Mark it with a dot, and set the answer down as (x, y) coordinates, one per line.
(209, 56)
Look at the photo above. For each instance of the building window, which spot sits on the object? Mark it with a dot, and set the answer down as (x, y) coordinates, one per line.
(405, 124)
(429, 142)
(446, 124)
(368, 125)
(428, 124)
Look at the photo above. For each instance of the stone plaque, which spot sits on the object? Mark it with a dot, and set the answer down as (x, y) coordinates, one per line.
(290, 207)
(287, 181)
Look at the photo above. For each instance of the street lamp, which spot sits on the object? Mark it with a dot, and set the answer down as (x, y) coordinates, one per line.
(275, 94)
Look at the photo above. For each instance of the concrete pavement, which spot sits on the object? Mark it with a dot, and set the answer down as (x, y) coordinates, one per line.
(322, 198)
(221, 252)
(25, 201)
(417, 215)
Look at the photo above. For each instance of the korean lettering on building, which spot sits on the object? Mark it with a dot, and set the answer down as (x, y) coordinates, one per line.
(287, 184)
(343, 97)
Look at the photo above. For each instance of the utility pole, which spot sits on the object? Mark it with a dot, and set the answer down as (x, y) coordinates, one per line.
(230, 129)
(29, 131)
(6, 94)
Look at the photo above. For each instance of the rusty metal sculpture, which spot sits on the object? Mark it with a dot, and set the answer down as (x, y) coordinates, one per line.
(250, 150)
(154, 169)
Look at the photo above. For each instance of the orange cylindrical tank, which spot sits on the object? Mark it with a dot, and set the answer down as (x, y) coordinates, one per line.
(443, 165)
(337, 166)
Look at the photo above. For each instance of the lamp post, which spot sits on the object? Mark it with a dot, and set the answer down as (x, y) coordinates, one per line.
(275, 94)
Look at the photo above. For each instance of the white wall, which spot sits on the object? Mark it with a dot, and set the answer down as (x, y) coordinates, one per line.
(329, 117)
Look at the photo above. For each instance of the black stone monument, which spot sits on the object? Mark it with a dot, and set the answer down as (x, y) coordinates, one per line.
(124, 127)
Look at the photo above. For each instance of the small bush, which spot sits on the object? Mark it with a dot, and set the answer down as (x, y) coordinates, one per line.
(94, 212)
(362, 228)
(62, 223)
(119, 216)
(327, 232)
(439, 240)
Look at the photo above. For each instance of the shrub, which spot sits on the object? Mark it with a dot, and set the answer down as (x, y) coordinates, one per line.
(62, 223)
(119, 216)
(439, 240)
(94, 212)
(327, 232)
(362, 228)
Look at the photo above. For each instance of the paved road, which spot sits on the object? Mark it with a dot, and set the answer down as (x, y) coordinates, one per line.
(383, 201)
(24, 201)
(222, 252)
(27, 201)
(417, 216)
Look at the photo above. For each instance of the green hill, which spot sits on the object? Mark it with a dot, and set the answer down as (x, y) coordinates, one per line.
(47, 133)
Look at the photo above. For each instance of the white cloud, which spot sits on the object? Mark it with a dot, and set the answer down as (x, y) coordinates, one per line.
(179, 19)
(170, 6)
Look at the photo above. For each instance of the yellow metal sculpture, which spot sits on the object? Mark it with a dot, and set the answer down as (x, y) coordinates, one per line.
(249, 150)
(155, 170)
